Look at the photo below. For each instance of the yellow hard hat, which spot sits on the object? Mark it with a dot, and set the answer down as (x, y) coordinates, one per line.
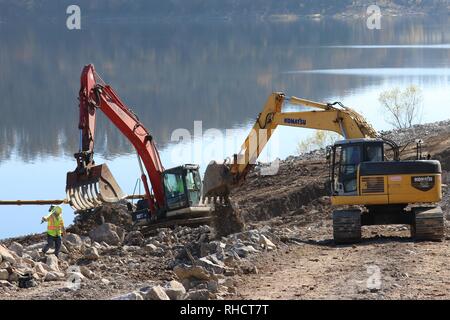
(57, 210)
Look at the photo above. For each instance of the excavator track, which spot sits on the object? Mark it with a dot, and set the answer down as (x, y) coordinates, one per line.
(428, 224)
(347, 226)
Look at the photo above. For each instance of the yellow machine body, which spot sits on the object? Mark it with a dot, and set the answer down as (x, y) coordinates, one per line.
(394, 189)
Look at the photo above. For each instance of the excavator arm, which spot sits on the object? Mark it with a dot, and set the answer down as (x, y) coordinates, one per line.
(89, 185)
(219, 178)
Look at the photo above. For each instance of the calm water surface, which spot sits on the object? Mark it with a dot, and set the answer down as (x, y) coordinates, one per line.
(173, 74)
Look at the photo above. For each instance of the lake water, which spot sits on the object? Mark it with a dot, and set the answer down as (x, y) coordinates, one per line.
(172, 74)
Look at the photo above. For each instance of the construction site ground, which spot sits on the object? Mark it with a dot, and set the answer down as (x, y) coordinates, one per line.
(293, 210)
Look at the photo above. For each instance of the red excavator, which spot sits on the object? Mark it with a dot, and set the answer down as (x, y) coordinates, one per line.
(168, 193)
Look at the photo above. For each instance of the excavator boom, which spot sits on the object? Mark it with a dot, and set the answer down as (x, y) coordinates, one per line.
(91, 185)
(219, 178)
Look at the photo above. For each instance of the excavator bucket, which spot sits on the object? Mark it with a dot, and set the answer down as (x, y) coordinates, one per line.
(217, 180)
(92, 190)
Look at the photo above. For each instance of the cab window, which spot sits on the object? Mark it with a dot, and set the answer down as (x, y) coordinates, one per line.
(173, 183)
(373, 153)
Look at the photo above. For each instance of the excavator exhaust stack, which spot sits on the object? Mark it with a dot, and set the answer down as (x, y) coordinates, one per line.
(217, 180)
(92, 189)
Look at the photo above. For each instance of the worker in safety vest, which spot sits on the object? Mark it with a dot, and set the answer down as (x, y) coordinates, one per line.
(55, 229)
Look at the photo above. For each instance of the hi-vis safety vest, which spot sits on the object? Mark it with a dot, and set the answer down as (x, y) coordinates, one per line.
(54, 226)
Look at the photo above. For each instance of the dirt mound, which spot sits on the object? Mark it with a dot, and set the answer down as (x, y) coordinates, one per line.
(116, 214)
(297, 183)
(227, 220)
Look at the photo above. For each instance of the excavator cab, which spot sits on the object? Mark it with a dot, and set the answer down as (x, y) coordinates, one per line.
(183, 191)
(182, 186)
(346, 156)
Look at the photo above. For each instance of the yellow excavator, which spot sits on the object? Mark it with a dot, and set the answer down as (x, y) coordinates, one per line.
(369, 184)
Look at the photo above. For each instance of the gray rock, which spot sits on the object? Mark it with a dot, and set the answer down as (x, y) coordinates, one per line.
(96, 245)
(5, 284)
(75, 275)
(211, 266)
(40, 269)
(52, 263)
(36, 246)
(35, 254)
(175, 290)
(86, 241)
(28, 262)
(17, 248)
(154, 250)
(130, 296)
(14, 276)
(213, 286)
(73, 240)
(5, 265)
(54, 276)
(107, 233)
(244, 251)
(156, 293)
(134, 238)
(4, 274)
(196, 272)
(87, 273)
(6, 255)
(202, 294)
(91, 254)
(266, 243)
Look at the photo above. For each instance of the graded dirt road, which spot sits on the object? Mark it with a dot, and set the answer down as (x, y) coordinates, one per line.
(388, 265)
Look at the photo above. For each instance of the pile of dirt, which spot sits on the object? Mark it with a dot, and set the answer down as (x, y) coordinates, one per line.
(116, 214)
(297, 183)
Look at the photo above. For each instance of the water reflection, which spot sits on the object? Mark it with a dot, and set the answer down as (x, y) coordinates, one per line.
(173, 74)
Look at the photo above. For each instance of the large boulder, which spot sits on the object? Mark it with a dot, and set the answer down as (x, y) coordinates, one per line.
(175, 290)
(17, 248)
(107, 232)
(52, 263)
(6, 255)
(73, 240)
(91, 254)
(40, 269)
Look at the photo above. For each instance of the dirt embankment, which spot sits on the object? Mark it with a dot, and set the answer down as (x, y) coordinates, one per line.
(286, 251)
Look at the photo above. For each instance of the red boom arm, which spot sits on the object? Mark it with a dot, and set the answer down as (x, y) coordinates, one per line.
(92, 96)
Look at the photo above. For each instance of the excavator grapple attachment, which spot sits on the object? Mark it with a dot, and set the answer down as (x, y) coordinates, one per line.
(93, 189)
(217, 180)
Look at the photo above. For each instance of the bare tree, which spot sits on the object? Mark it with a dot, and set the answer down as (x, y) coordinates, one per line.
(402, 108)
(319, 140)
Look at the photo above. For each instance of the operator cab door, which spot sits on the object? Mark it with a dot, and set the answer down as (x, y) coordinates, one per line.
(345, 163)
(175, 189)
(194, 186)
